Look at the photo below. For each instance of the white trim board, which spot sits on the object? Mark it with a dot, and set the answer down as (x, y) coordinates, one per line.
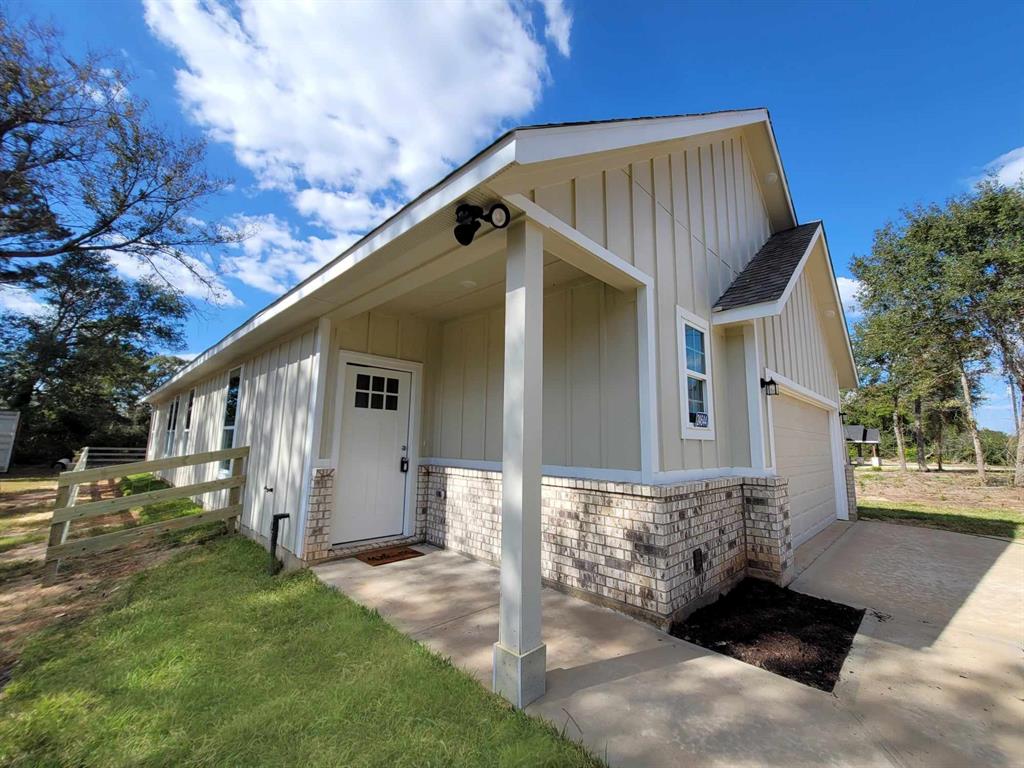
(618, 270)
(671, 477)
(311, 446)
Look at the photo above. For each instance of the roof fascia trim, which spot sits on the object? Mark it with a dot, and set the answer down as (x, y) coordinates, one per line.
(462, 182)
(538, 145)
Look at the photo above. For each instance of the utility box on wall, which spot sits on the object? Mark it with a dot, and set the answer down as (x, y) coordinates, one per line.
(8, 431)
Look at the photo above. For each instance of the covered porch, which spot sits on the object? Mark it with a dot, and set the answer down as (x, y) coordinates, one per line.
(434, 361)
(930, 680)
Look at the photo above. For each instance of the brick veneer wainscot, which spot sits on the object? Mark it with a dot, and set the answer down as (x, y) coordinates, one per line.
(318, 524)
(626, 545)
(851, 492)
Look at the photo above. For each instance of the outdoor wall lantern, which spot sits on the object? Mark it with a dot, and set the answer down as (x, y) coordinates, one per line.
(770, 387)
(468, 217)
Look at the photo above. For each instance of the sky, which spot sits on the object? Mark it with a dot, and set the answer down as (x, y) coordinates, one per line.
(329, 116)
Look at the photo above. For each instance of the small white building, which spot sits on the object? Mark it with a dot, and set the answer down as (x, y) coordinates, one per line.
(628, 387)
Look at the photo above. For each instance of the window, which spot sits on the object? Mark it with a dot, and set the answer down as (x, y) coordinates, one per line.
(227, 435)
(695, 377)
(378, 393)
(188, 417)
(172, 424)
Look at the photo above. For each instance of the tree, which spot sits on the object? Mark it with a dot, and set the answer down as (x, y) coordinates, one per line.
(981, 241)
(910, 291)
(78, 369)
(83, 170)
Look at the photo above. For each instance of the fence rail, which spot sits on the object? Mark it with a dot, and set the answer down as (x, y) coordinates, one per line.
(101, 456)
(68, 509)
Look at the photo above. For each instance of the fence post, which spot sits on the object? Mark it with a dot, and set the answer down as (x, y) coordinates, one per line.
(235, 494)
(58, 533)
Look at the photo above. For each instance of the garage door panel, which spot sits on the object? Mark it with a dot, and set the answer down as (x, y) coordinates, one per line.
(803, 455)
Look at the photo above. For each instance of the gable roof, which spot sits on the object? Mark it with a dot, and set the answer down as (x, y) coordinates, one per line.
(765, 284)
(768, 274)
(434, 208)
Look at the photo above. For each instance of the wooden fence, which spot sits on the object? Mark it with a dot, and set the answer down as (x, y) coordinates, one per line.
(102, 456)
(68, 509)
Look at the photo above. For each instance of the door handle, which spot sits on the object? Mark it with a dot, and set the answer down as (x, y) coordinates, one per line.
(403, 465)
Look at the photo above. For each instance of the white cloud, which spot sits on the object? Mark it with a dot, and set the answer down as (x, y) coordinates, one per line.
(19, 301)
(1009, 168)
(179, 276)
(559, 25)
(352, 108)
(848, 288)
(274, 257)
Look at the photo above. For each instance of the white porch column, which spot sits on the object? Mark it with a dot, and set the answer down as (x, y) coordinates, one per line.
(519, 655)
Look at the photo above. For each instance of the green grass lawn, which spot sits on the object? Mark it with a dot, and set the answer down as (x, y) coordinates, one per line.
(1005, 524)
(206, 660)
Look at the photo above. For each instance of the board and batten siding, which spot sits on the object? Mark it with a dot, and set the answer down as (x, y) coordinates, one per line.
(591, 411)
(401, 337)
(274, 420)
(692, 219)
(794, 343)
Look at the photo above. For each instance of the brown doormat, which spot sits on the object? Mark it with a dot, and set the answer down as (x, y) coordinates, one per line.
(388, 555)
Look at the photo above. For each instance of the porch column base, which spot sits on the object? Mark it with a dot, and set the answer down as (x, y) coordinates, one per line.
(520, 678)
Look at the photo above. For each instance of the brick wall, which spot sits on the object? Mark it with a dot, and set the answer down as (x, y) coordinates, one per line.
(318, 523)
(625, 545)
(851, 492)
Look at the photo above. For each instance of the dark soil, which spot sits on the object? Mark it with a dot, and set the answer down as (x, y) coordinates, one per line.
(797, 636)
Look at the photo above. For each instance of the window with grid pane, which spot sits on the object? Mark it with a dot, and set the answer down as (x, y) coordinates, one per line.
(695, 376)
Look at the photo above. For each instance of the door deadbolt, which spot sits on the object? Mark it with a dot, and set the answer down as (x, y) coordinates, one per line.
(403, 465)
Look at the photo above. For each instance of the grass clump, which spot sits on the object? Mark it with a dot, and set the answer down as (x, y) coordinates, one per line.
(207, 660)
(1005, 524)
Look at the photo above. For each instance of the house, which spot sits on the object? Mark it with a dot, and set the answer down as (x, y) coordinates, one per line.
(859, 435)
(622, 378)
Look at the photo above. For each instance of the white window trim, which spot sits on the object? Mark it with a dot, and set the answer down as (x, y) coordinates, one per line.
(226, 471)
(171, 431)
(187, 427)
(689, 432)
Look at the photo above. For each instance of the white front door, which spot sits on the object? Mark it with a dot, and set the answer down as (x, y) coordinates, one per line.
(373, 461)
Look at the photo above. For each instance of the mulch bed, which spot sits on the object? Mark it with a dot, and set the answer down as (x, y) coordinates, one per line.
(797, 636)
(388, 555)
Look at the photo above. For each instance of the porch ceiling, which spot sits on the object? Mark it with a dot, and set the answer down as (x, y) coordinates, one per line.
(473, 288)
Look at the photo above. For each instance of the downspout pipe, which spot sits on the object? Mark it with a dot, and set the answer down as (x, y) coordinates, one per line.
(275, 526)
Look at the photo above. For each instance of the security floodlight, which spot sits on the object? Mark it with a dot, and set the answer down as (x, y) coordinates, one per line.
(468, 217)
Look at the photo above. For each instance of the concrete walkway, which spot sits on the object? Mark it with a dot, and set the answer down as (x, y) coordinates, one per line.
(934, 677)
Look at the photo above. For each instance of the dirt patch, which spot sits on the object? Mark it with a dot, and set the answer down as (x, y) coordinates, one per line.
(797, 636)
(951, 489)
(26, 605)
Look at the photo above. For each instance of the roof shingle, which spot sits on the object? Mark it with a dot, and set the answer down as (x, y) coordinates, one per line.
(766, 276)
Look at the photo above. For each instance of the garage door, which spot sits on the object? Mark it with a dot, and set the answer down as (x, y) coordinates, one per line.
(804, 457)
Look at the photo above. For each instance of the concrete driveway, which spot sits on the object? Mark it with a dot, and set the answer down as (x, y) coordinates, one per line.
(934, 677)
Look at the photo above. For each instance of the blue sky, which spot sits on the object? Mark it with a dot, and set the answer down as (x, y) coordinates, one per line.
(329, 116)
